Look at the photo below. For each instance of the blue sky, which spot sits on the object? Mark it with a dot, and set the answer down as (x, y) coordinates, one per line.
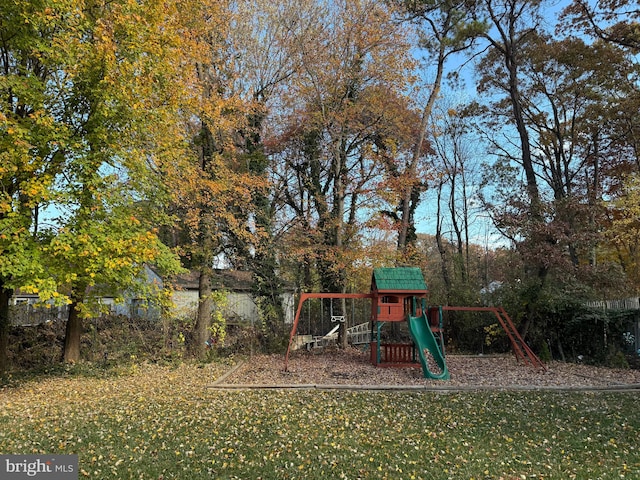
(482, 231)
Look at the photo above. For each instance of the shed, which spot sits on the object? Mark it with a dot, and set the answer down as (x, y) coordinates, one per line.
(238, 287)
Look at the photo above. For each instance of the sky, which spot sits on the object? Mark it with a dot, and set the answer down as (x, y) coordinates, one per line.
(482, 231)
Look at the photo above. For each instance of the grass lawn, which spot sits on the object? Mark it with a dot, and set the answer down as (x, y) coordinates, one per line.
(151, 422)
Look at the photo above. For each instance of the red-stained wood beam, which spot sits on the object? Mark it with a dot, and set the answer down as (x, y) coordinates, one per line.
(304, 297)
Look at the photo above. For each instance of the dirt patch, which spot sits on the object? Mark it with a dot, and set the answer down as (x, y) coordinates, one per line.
(352, 367)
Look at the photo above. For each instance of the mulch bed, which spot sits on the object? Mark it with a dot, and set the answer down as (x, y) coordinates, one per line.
(332, 367)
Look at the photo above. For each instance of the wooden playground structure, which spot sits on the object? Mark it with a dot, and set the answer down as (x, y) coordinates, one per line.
(400, 295)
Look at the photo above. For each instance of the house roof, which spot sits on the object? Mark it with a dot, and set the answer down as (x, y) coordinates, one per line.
(398, 279)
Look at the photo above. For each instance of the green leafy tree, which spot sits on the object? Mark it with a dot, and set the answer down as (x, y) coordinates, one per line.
(127, 132)
(107, 80)
(32, 143)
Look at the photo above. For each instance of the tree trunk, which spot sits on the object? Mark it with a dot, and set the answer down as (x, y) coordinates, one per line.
(508, 44)
(5, 296)
(407, 205)
(459, 268)
(561, 351)
(521, 126)
(441, 248)
(71, 349)
(201, 332)
(267, 290)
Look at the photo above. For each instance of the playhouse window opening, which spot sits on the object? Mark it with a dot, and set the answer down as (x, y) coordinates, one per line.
(390, 299)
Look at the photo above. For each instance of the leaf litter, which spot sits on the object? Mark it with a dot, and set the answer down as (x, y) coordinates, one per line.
(332, 366)
(154, 422)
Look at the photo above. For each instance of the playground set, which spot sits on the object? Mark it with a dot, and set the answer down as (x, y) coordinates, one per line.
(400, 295)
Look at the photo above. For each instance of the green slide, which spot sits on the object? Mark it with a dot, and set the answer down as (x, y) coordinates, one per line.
(425, 340)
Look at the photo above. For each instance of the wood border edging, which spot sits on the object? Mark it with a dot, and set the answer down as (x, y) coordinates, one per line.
(227, 374)
(421, 388)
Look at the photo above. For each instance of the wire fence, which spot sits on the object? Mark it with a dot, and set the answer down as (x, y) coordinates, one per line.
(27, 315)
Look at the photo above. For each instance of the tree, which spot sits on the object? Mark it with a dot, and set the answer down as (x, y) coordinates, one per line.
(32, 142)
(614, 21)
(456, 176)
(266, 40)
(570, 110)
(614, 135)
(105, 95)
(214, 189)
(339, 125)
(625, 228)
(445, 31)
(572, 87)
(512, 23)
(209, 197)
(123, 100)
(514, 27)
(103, 252)
(570, 93)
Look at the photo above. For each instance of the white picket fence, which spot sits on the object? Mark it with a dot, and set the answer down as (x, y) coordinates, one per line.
(632, 303)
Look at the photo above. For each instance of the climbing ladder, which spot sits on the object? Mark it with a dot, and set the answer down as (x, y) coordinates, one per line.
(434, 314)
(359, 334)
(521, 350)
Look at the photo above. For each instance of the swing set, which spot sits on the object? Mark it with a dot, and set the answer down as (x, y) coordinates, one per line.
(400, 295)
(355, 333)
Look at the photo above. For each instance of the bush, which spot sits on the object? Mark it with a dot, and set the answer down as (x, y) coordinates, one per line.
(108, 339)
(617, 359)
(545, 353)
